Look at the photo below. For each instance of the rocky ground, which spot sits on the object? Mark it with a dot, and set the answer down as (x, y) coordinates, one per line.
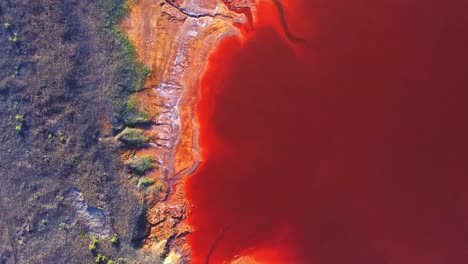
(63, 80)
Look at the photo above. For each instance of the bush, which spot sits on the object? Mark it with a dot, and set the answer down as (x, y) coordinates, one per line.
(14, 39)
(140, 165)
(93, 244)
(101, 258)
(133, 137)
(145, 182)
(62, 137)
(19, 118)
(114, 239)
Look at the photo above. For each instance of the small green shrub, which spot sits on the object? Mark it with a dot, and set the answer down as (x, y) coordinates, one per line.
(19, 118)
(133, 137)
(140, 165)
(114, 239)
(93, 244)
(6, 25)
(62, 225)
(19, 127)
(122, 259)
(14, 39)
(101, 258)
(62, 137)
(110, 261)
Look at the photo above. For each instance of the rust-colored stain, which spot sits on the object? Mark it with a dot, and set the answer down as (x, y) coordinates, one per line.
(173, 39)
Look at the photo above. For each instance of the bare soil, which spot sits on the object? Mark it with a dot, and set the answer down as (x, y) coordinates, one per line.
(63, 77)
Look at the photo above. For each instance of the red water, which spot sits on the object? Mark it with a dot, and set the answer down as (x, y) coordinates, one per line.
(353, 149)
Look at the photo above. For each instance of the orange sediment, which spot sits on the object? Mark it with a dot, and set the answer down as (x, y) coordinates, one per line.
(175, 47)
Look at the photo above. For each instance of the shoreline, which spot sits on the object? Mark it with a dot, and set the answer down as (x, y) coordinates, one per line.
(175, 44)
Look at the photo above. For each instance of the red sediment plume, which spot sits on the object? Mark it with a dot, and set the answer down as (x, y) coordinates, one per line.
(353, 151)
(238, 214)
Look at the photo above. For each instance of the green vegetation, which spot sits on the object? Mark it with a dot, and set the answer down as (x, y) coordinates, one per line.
(62, 225)
(136, 75)
(140, 70)
(101, 258)
(114, 239)
(122, 259)
(6, 25)
(121, 11)
(14, 39)
(20, 119)
(140, 165)
(133, 137)
(135, 180)
(62, 137)
(145, 182)
(110, 261)
(93, 244)
(132, 115)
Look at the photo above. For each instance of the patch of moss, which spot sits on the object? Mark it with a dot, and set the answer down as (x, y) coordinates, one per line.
(6, 25)
(140, 164)
(133, 137)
